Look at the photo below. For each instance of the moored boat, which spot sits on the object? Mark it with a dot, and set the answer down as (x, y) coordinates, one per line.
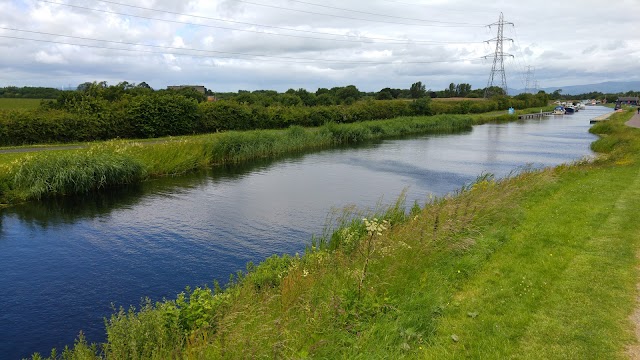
(559, 110)
(569, 109)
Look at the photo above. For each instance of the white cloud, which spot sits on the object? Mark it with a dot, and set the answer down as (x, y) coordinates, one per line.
(587, 46)
(47, 58)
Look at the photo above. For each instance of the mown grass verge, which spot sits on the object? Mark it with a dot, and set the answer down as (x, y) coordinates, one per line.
(114, 163)
(539, 265)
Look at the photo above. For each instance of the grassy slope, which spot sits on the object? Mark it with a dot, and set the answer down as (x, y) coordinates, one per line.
(539, 266)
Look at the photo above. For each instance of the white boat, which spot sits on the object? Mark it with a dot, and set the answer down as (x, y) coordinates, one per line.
(559, 110)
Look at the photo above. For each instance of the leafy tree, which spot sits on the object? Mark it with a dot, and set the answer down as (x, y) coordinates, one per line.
(556, 94)
(321, 91)
(384, 95)
(144, 85)
(421, 106)
(463, 89)
(308, 99)
(344, 93)
(325, 99)
(417, 90)
(289, 99)
(451, 91)
(494, 91)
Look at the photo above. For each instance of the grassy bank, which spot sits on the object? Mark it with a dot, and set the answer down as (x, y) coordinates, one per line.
(538, 266)
(113, 163)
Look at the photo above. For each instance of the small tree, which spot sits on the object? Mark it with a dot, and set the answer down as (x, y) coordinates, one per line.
(417, 90)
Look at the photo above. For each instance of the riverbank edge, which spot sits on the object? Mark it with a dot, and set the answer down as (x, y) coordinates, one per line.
(96, 166)
(264, 303)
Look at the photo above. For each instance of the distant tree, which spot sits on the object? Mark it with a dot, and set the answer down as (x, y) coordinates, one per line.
(144, 85)
(556, 94)
(344, 93)
(321, 91)
(308, 99)
(494, 91)
(417, 90)
(325, 99)
(463, 89)
(288, 99)
(384, 95)
(84, 87)
(451, 91)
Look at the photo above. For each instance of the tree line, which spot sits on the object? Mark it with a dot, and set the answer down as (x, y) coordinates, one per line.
(98, 111)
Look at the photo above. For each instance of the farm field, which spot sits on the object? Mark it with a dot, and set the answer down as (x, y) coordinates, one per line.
(16, 104)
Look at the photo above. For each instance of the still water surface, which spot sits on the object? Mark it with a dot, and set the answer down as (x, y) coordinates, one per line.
(64, 263)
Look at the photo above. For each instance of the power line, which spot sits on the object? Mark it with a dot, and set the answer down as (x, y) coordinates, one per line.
(350, 18)
(383, 15)
(373, 40)
(266, 57)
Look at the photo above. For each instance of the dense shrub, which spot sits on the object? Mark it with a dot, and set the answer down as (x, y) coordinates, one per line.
(225, 115)
(163, 114)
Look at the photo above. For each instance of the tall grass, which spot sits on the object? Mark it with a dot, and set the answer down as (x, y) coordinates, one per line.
(73, 173)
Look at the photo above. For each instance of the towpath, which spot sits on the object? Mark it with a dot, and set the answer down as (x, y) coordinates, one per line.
(635, 121)
(68, 147)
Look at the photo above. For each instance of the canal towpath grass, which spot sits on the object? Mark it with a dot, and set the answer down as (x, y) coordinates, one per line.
(541, 265)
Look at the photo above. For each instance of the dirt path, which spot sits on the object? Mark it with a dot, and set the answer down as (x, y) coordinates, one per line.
(41, 148)
(635, 121)
(72, 147)
(633, 351)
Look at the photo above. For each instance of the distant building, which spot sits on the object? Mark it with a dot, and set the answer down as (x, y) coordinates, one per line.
(199, 88)
(629, 100)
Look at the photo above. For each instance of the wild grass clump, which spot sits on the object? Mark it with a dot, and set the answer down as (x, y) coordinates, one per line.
(48, 174)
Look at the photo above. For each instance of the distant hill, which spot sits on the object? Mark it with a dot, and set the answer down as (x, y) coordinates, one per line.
(604, 87)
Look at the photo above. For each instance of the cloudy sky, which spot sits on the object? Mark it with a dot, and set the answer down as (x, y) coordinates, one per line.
(228, 45)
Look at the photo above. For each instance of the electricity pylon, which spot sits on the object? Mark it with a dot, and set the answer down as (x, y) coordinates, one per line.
(528, 79)
(498, 57)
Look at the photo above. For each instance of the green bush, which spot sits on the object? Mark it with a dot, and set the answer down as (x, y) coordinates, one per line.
(158, 115)
(225, 115)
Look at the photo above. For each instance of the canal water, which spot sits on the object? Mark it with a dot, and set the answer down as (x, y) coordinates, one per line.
(65, 263)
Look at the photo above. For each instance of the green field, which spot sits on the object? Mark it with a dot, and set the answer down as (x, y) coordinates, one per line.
(17, 104)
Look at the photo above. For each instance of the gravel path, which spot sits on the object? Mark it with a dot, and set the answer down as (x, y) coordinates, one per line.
(634, 122)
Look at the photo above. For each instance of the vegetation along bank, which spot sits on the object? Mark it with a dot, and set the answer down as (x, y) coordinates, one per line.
(26, 176)
(539, 265)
